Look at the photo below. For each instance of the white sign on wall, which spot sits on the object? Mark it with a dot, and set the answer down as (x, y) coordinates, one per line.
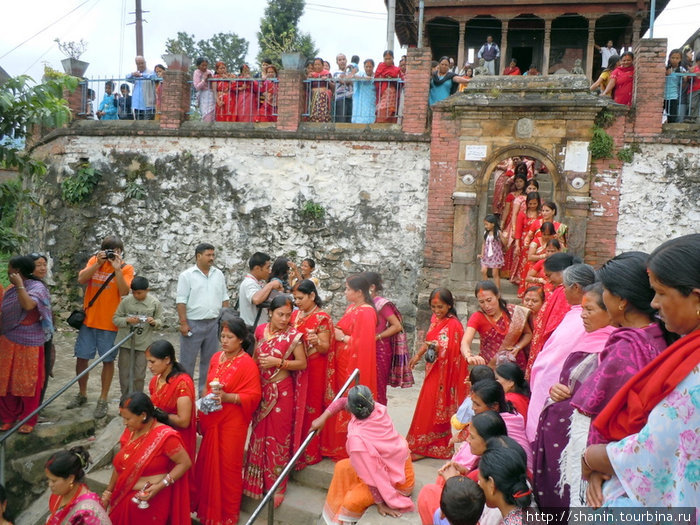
(576, 158)
(475, 152)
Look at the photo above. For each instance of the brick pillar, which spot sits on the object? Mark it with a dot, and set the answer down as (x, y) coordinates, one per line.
(175, 99)
(417, 87)
(290, 100)
(444, 154)
(649, 83)
(75, 100)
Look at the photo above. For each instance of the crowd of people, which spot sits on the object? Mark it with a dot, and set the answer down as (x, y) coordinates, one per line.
(570, 395)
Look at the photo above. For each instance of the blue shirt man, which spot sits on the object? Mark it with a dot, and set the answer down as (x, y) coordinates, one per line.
(143, 99)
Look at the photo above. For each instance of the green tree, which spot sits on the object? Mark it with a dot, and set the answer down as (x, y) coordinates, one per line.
(228, 47)
(279, 31)
(24, 109)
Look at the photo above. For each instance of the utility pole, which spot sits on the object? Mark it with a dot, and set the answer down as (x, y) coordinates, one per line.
(390, 24)
(139, 29)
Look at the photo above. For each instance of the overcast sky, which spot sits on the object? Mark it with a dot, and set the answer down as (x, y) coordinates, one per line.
(357, 27)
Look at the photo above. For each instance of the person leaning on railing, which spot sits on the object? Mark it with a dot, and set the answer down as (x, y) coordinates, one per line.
(24, 305)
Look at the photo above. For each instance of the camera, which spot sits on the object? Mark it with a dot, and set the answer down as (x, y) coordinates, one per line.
(110, 254)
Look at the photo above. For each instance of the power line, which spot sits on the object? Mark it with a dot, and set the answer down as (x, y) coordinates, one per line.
(347, 9)
(41, 31)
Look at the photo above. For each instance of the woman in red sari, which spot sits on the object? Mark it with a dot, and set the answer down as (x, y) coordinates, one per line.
(444, 387)
(225, 102)
(246, 90)
(151, 467)
(547, 214)
(219, 467)
(316, 329)
(514, 200)
(387, 91)
(498, 327)
(621, 83)
(320, 93)
(71, 502)
(354, 348)
(536, 252)
(388, 325)
(277, 422)
(555, 307)
(527, 215)
(535, 276)
(172, 393)
(268, 97)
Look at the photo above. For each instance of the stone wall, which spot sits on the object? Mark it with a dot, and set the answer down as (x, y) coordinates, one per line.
(659, 196)
(165, 194)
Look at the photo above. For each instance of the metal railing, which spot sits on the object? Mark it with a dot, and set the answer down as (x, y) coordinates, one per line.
(58, 394)
(683, 108)
(322, 106)
(92, 95)
(354, 377)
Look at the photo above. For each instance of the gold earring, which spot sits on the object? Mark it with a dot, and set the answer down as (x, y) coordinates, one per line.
(620, 307)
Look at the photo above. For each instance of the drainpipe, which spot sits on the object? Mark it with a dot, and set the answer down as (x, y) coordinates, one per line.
(421, 10)
(652, 16)
(390, 24)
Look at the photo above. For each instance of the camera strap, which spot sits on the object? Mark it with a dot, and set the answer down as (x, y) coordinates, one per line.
(104, 285)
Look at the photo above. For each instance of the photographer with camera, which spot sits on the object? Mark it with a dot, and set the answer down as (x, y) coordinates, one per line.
(107, 278)
(140, 312)
(255, 291)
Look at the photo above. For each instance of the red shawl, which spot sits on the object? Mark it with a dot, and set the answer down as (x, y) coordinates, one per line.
(628, 410)
(384, 71)
(552, 313)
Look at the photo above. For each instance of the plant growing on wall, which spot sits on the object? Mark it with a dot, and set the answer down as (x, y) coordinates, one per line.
(604, 118)
(601, 145)
(626, 154)
(78, 187)
(12, 196)
(312, 211)
(135, 190)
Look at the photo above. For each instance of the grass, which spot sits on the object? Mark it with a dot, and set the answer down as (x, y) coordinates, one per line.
(4, 258)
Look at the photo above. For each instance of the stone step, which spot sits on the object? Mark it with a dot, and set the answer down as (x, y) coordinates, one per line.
(316, 476)
(301, 506)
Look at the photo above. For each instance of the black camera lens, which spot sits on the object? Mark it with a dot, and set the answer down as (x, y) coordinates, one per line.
(110, 254)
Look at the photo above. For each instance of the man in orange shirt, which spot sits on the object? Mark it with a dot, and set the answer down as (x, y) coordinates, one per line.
(98, 330)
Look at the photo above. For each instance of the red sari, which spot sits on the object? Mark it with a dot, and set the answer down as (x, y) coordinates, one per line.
(226, 106)
(268, 105)
(165, 397)
(387, 93)
(553, 311)
(316, 366)
(219, 467)
(539, 250)
(277, 421)
(522, 226)
(359, 323)
(492, 334)
(516, 202)
(442, 391)
(246, 90)
(149, 455)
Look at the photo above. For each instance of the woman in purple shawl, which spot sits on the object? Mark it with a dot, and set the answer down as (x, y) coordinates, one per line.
(552, 436)
(25, 307)
(388, 326)
(638, 339)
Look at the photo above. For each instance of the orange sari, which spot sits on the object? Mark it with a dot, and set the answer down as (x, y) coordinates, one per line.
(316, 366)
(442, 392)
(359, 323)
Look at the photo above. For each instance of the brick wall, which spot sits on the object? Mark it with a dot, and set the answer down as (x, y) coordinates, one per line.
(416, 90)
(444, 153)
(649, 82)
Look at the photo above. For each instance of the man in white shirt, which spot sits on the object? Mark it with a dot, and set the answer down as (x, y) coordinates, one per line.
(201, 293)
(254, 289)
(490, 53)
(605, 53)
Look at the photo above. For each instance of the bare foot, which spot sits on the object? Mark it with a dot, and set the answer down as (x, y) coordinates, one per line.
(387, 511)
(416, 457)
(278, 499)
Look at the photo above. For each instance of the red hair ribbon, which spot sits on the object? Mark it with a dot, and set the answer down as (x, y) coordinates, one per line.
(522, 494)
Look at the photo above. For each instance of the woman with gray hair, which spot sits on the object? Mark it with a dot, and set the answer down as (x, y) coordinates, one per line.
(379, 469)
(564, 339)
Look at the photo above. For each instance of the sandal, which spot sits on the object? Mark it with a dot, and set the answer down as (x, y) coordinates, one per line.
(5, 427)
(26, 429)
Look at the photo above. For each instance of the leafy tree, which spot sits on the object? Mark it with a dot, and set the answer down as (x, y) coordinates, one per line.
(279, 31)
(24, 109)
(228, 47)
